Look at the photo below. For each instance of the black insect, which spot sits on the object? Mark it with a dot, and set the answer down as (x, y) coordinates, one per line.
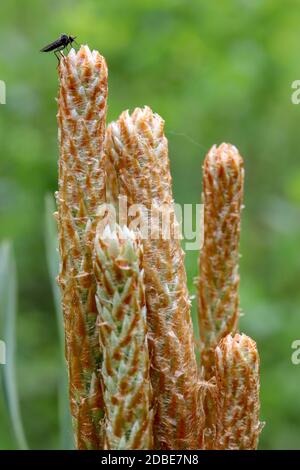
(59, 45)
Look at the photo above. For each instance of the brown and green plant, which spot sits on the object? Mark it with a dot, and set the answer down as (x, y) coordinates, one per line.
(136, 152)
(237, 394)
(119, 304)
(81, 123)
(218, 281)
(125, 368)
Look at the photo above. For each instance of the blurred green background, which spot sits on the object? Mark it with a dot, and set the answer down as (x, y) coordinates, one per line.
(215, 71)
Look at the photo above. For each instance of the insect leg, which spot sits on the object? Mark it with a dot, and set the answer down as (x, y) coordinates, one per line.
(58, 51)
(62, 55)
(61, 49)
(58, 59)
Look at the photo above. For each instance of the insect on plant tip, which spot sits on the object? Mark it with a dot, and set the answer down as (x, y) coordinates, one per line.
(59, 45)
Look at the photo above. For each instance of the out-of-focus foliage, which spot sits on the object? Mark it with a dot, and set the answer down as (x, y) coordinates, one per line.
(216, 71)
(8, 315)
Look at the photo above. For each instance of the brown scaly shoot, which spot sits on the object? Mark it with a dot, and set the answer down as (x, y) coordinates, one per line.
(137, 161)
(81, 122)
(123, 337)
(237, 394)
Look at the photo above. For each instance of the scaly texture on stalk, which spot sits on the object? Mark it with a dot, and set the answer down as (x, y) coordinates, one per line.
(81, 122)
(218, 298)
(138, 166)
(123, 336)
(237, 394)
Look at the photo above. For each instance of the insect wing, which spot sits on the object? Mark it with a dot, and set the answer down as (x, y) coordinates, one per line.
(54, 45)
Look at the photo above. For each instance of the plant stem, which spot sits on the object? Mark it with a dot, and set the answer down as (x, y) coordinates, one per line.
(81, 122)
(122, 324)
(237, 394)
(218, 282)
(138, 164)
(218, 299)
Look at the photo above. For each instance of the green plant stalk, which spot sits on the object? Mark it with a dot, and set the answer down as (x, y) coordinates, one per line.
(8, 313)
(123, 336)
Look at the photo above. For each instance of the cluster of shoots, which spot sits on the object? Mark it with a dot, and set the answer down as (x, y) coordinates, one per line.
(134, 380)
